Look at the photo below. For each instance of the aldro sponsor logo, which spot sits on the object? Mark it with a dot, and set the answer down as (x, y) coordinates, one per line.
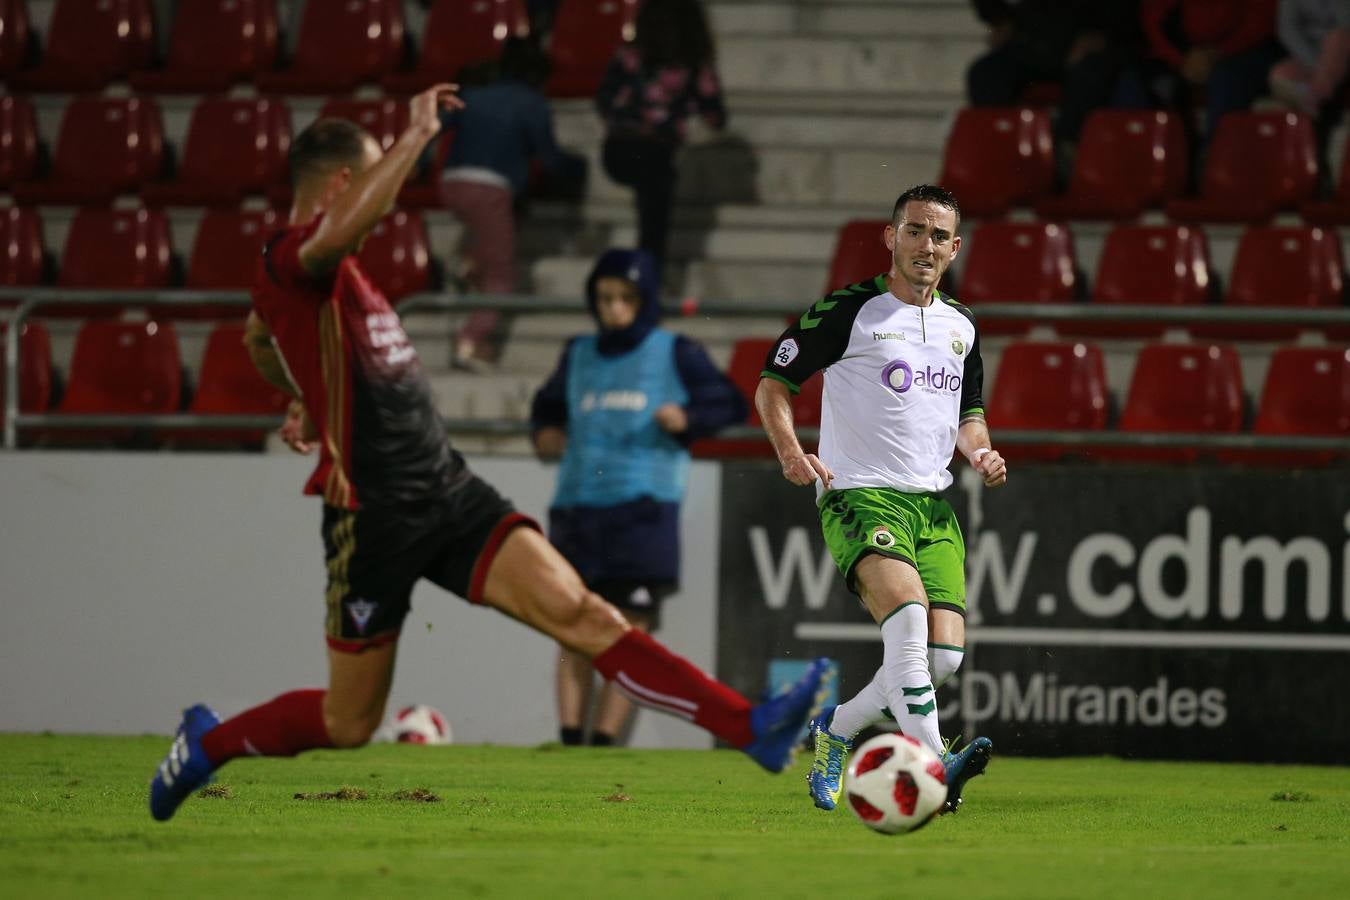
(899, 376)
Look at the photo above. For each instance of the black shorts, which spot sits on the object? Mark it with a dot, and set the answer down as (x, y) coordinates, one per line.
(641, 597)
(376, 554)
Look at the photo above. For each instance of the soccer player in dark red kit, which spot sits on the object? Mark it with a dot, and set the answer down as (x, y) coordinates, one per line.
(400, 504)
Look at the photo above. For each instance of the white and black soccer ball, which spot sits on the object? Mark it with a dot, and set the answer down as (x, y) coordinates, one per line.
(895, 784)
(418, 724)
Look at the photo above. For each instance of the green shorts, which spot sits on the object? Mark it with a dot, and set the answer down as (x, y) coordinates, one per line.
(919, 529)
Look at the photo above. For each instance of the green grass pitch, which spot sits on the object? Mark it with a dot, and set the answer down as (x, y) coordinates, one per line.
(589, 823)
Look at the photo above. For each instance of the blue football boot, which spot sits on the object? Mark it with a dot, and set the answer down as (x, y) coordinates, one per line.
(185, 769)
(963, 766)
(826, 776)
(778, 723)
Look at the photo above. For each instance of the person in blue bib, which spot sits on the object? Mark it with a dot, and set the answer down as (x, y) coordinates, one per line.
(620, 412)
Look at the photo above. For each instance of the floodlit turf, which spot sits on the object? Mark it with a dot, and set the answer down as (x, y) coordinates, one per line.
(585, 823)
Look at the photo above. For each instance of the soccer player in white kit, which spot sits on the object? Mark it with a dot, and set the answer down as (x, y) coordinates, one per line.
(903, 380)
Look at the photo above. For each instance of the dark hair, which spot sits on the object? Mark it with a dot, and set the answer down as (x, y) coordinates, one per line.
(673, 32)
(324, 145)
(926, 193)
(522, 59)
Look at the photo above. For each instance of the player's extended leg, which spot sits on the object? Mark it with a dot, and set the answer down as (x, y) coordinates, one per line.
(894, 594)
(345, 715)
(573, 688)
(530, 580)
(945, 653)
(614, 709)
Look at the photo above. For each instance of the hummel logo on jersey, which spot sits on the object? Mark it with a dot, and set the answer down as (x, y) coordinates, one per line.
(888, 336)
(361, 611)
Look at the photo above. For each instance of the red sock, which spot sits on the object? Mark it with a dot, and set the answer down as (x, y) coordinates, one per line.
(284, 726)
(653, 676)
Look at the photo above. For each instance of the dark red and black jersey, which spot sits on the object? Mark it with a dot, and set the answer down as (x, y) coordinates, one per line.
(381, 441)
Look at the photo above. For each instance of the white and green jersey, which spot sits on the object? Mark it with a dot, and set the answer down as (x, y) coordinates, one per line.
(898, 381)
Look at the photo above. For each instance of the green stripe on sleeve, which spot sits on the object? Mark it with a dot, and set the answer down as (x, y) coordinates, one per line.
(776, 377)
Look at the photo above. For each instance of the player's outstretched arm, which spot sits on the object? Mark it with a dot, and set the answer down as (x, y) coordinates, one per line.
(972, 439)
(772, 400)
(372, 193)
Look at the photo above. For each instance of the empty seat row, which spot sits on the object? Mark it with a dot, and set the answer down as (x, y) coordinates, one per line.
(1259, 164)
(1011, 262)
(234, 148)
(131, 249)
(215, 44)
(1061, 386)
(135, 368)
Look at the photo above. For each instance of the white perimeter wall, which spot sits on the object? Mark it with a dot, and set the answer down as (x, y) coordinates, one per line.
(132, 585)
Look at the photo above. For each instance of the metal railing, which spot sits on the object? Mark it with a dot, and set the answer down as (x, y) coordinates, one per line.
(32, 299)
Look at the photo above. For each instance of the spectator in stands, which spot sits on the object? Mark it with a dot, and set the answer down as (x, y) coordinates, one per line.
(1225, 49)
(1316, 33)
(506, 125)
(1079, 45)
(652, 85)
(620, 410)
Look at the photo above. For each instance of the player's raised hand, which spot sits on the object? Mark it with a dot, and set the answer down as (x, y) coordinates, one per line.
(993, 467)
(424, 109)
(298, 431)
(805, 469)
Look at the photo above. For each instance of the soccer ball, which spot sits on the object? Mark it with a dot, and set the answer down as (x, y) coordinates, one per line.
(895, 784)
(418, 724)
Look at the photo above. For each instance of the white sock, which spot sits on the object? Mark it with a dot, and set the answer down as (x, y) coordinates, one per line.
(908, 686)
(943, 661)
(868, 707)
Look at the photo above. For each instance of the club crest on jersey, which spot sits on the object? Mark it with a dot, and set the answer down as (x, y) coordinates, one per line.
(881, 538)
(361, 610)
(787, 351)
(959, 347)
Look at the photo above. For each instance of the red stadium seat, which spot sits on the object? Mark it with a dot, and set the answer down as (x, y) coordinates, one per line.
(860, 253)
(747, 361)
(18, 141)
(107, 146)
(127, 249)
(1127, 161)
(214, 44)
(90, 44)
(340, 47)
(224, 257)
(22, 252)
(1307, 392)
(1181, 388)
(120, 367)
(233, 148)
(585, 35)
(228, 384)
(997, 158)
(1335, 211)
(15, 37)
(35, 367)
(1049, 385)
(225, 251)
(397, 257)
(1164, 265)
(459, 33)
(1259, 163)
(1281, 267)
(1016, 262)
